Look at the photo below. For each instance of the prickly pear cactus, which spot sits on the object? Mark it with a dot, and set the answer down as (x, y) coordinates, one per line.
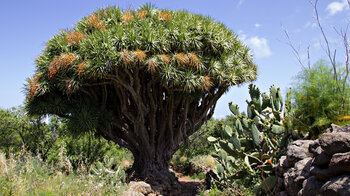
(251, 145)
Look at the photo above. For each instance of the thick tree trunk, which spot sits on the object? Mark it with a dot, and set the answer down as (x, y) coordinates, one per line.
(152, 121)
(154, 170)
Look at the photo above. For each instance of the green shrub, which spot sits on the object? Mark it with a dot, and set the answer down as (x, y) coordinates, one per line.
(197, 143)
(36, 134)
(85, 150)
(247, 150)
(318, 102)
(24, 174)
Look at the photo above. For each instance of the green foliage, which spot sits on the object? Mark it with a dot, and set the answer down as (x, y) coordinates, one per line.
(197, 143)
(318, 102)
(65, 164)
(33, 133)
(181, 164)
(109, 170)
(199, 176)
(187, 52)
(24, 174)
(50, 140)
(85, 150)
(145, 79)
(251, 144)
(9, 128)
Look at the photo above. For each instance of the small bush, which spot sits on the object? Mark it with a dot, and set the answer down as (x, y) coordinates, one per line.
(25, 174)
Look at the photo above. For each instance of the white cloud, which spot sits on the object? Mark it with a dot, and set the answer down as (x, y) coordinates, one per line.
(257, 25)
(259, 46)
(337, 6)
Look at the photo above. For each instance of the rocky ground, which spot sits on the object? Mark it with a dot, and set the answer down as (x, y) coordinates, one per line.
(317, 167)
(311, 167)
(188, 187)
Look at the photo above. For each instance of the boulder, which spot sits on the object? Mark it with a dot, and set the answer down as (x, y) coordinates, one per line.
(337, 186)
(141, 187)
(313, 146)
(320, 173)
(303, 170)
(311, 186)
(132, 193)
(340, 164)
(336, 128)
(316, 168)
(336, 142)
(282, 166)
(346, 128)
(290, 186)
(298, 150)
(322, 158)
(294, 177)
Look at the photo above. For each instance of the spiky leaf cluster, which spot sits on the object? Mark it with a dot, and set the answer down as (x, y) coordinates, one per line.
(186, 51)
(119, 49)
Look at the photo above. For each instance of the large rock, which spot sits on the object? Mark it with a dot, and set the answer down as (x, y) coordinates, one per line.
(291, 187)
(346, 128)
(298, 150)
(141, 187)
(340, 164)
(311, 186)
(313, 146)
(303, 168)
(282, 166)
(320, 173)
(322, 158)
(336, 142)
(132, 193)
(338, 186)
(336, 128)
(316, 168)
(294, 177)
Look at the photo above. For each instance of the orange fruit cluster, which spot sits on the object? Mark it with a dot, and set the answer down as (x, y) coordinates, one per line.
(64, 60)
(74, 38)
(165, 16)
(127, 17)
(142, 14)
(207, 83)
(81, 68)
(34, 83)
(94, 22)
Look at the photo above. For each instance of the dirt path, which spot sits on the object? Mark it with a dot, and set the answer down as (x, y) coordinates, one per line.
(190, 187)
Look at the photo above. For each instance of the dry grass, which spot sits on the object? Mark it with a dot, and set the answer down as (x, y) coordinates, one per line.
(27, 175)
(205, 161)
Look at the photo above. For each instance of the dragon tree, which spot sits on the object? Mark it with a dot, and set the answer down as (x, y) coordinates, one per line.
(145, 79)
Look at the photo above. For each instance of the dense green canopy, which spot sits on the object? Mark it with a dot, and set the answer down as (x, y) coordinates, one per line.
(146, 79)
(188, 52)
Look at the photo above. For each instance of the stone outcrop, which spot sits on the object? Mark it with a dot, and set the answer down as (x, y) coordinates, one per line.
(140, 188)
(316, 167)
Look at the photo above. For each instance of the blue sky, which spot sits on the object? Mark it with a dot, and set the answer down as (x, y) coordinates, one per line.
(27, 25)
